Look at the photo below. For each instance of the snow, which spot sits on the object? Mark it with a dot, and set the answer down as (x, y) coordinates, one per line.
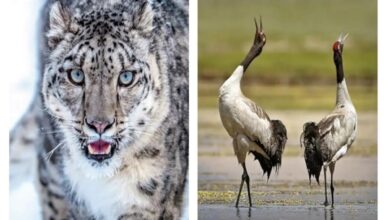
(24, 66)
(23, 200)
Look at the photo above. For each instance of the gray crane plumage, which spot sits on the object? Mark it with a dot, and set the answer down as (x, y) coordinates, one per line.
(248, 124)
(329, 140)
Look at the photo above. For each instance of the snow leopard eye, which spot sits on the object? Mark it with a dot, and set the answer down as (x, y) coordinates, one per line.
(126, 78)
(76, 76)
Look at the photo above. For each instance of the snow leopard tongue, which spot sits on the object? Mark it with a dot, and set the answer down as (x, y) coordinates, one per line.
(99, 147)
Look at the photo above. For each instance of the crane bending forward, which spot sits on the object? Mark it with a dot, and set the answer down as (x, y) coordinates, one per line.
(248, 124)
(330, 139)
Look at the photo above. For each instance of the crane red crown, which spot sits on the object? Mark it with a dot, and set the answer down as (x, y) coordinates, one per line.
(337, 46)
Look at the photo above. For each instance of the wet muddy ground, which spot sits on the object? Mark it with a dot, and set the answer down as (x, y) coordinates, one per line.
(288, 194)
(344, 212)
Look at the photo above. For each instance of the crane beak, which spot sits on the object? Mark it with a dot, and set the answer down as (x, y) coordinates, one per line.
(342, 38)
(257, 26)
(259, 35)
(261, 25)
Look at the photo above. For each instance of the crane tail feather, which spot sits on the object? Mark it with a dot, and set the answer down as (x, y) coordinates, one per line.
(313, 158)
(265, 164)
(275, 154)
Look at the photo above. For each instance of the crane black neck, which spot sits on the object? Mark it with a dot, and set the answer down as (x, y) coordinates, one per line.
(252, 54)
(338, 61)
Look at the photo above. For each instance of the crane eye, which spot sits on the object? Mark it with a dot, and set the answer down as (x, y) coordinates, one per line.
(126, 78)
(76, 76)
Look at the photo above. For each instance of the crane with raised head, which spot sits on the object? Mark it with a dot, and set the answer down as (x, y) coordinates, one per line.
(329, 140)
(248, 124)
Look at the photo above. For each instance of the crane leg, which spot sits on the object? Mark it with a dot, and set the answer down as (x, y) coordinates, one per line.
(244, 177)
(331, 168)
(326, 193)
(239, 191)
(247, 185)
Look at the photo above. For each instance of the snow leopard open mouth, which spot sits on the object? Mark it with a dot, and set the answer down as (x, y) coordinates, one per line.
(100, 150)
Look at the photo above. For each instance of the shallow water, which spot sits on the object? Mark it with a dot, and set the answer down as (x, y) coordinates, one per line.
(344, 212)
(288, 194)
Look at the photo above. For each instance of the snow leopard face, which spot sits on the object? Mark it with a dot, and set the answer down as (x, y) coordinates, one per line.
(103, 85)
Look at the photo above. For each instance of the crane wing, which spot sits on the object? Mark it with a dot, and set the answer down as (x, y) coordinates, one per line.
(269, 135)
(255, 123)
(331, 123)
(335, 131)
(256, 109)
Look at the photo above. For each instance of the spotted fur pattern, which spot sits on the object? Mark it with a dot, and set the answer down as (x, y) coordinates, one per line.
(145, 177)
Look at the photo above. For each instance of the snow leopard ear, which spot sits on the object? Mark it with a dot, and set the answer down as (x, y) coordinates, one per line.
(141, 17)
(59, 24)
(146, 14)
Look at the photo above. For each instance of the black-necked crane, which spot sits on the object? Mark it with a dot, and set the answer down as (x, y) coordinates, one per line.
(329, 140)
(248, 124)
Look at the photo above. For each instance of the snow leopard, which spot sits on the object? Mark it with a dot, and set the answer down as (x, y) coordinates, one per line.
(107, 131)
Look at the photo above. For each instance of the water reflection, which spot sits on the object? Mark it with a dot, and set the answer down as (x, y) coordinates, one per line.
(305, 212)
(329, 213)
(246, 214)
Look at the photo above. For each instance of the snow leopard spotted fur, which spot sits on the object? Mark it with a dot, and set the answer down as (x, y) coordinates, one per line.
(114, 73)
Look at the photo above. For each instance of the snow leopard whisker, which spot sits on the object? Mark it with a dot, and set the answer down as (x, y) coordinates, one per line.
(59, 117)
(66, 124)
(132, 130)
(137, 133)
(50, 153)
(48, 130)
(51, 132)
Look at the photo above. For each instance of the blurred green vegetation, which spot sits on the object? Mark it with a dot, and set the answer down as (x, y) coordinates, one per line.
(300, 97)
(300, 34)
(295, 70)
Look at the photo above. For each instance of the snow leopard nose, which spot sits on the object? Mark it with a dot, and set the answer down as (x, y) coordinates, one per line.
(99, 126)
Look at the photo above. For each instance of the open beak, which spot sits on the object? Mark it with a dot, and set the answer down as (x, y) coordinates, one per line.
(257, 26)
(259, 35)
(342, 38)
